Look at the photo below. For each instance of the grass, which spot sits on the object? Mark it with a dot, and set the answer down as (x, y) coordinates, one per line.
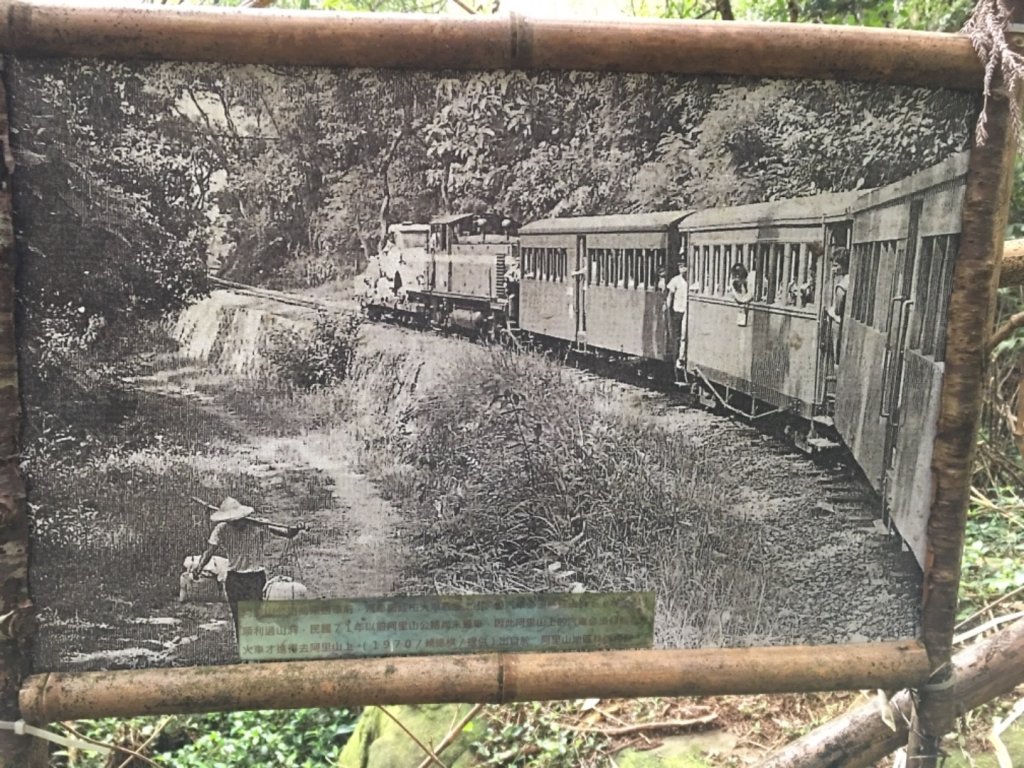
(113, 518)
(521, 481)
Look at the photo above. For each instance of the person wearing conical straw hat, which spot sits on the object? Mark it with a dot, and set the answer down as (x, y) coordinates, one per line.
(241, 538)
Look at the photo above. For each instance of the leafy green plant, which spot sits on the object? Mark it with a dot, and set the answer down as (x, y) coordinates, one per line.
(992, 566)
(301, 738)
(530, 736)
(325, 359)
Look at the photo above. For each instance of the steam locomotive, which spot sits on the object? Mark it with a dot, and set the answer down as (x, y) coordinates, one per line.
(829, 308)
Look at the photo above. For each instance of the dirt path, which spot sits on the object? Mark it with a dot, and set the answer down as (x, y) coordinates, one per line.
(354, 546)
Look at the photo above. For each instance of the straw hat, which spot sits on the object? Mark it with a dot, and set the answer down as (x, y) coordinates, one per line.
(231, 509)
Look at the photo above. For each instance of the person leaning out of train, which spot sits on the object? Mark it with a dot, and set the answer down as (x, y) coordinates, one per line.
(676, 299)
(840, 289)
(741, 283)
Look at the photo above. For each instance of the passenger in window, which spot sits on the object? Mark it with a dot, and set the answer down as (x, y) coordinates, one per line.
(802, 294)
(840, 288)
(742, 283)
(676, 297)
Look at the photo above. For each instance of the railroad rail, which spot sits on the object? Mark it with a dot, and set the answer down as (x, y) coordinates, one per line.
(281, 297)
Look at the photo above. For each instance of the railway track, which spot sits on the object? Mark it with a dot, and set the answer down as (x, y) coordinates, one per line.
(280, 297)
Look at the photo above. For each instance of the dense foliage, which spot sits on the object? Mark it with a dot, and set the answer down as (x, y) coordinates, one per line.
(129, 198)
(302, 738)
(321, 359)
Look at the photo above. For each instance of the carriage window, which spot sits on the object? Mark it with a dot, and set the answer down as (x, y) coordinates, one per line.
(712, 256)
(723, 269)
(793, 274)
(707, 271)
(952, 243)
(727, 263)
(923, 312)
(861, 269)
(878, 312)
(868, 257)
(932, 294)
(760, 265)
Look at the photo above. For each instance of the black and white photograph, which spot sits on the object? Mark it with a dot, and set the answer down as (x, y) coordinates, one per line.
(301, 333)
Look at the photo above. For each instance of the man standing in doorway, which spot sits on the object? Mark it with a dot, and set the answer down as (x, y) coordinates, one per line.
(675, 302)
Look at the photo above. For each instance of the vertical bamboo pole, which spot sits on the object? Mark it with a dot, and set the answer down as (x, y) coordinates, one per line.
(16, 624)
(971, 316)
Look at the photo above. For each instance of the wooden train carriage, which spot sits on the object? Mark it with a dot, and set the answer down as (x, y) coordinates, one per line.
(905, 240)
(764, 337)
(598, 281)
(470, 254)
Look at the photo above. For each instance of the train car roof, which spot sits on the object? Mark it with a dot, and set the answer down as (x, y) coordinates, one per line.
(452, 218)
(814, 208)
(407, 227)
(953, 167)
(455, 218)
(622, 222)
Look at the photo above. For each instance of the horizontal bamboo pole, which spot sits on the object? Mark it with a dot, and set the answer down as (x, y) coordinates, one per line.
(756, 49)
(861, 738)
(492, 678)
(271, 36)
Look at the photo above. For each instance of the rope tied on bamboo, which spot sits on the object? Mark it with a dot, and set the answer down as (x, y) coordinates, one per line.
(21, 728)
(987, 28)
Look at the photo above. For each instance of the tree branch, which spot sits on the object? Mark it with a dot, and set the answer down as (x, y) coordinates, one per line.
(862, 737)
(1005, 331)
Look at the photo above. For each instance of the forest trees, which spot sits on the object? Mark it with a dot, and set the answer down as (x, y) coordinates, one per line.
(169, 169)
(109, 195)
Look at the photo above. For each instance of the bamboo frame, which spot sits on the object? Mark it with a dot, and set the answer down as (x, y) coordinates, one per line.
(488, 678)
(39, 28)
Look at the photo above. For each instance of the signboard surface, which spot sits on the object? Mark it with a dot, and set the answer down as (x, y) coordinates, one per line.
(198, 247)
(407, 626)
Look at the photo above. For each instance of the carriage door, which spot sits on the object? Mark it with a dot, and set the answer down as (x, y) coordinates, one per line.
(896, 332)
(579, 277)
(824, 279)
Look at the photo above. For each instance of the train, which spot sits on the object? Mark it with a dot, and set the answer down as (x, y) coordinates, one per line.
(827, 309)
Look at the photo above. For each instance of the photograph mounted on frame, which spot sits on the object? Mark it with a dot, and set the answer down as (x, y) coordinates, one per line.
(301, 333)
